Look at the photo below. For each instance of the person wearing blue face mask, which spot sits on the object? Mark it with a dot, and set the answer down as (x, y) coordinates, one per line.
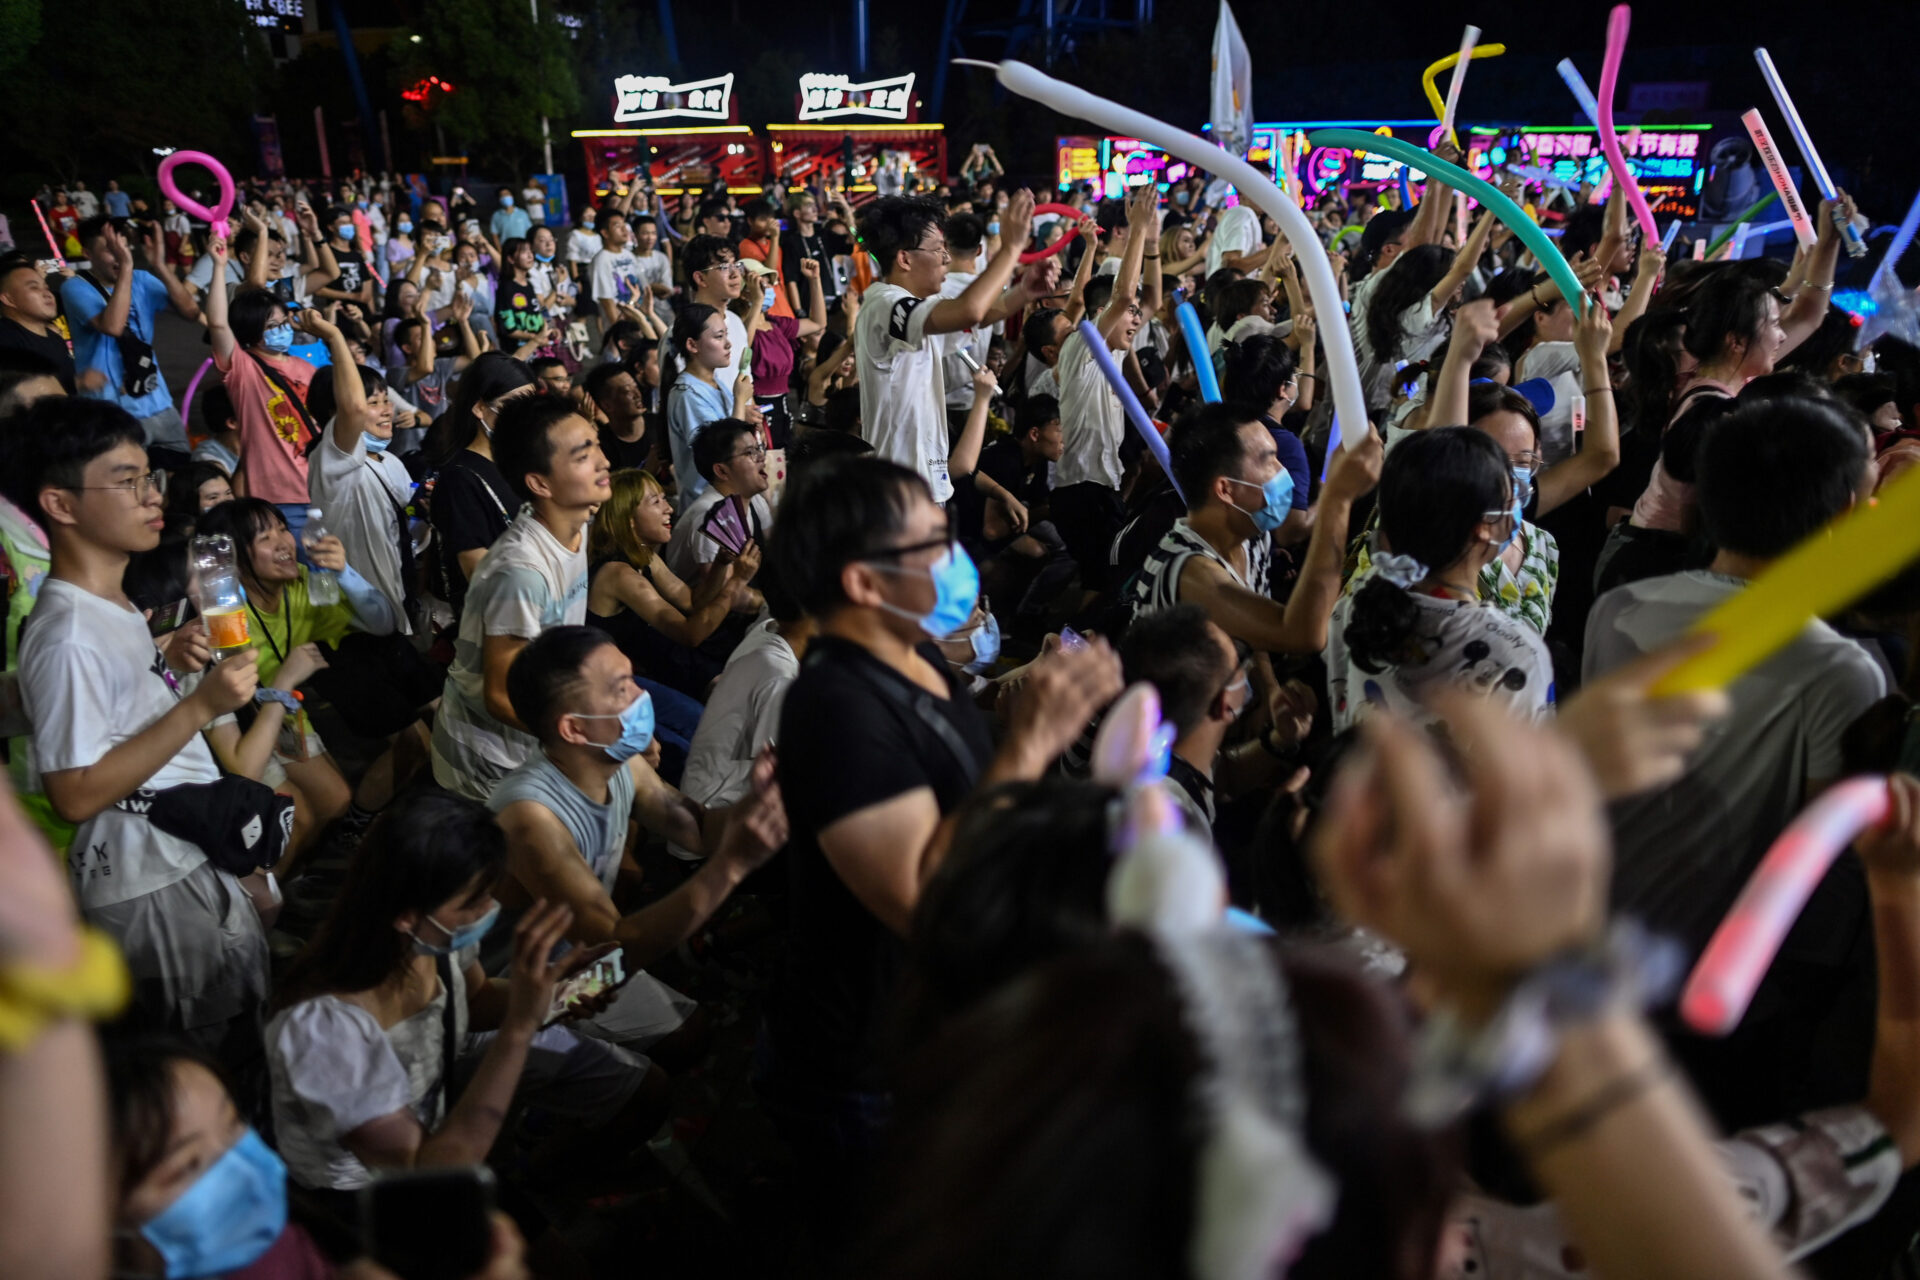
(879, 748)
(1416, 620)
(565, 813)
(1218, 555)
(509, 222)
(355, 282)
(358, 1049)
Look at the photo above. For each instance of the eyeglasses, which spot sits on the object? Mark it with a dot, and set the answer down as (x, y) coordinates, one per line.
(941, 249)
(758, 453)
(139, 486)
(945, 540)
(726, 268)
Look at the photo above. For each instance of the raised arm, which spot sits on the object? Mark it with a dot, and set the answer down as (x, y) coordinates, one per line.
(178, 294)
(1089, 233)
(1142, 215)
(965, 457)
(113, 319)
(351, 413)
(1474, 326)
(1809, 307)
(219, 335)
(1599, 453)
(981, 302)
(1436, 201)
(1646, 279)
(816, 317)
(1464, 261)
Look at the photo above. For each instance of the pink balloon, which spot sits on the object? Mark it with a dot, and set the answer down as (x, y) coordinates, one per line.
(217, 215)
(1077, 216)
(1729, 970)
(1617, 23)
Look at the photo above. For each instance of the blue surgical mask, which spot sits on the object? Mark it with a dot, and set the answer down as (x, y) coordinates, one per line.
(506, 202)
(956, 589)
(228, 1218)
(406, 227)
(636, 729)
(344, 231)
(586, 224)
(993, 228)
(767, 298)
(543, 257)
(278, 339)
(457, 939)
(986, 645)
(377, 444)
(1276, 500)
(1522, 491)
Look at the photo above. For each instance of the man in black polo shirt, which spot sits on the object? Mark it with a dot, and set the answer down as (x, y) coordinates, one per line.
(878, 747)
(28, 311)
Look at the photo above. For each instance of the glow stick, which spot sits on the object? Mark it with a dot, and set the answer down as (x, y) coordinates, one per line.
(1406, 187)
(1673, 233)
(1902, 238)
(1077, 216)
(186, 401)
(1726, 233)
(1739, 241)
(1136, 413)
(1342, 369)
(1197, 348)
(1729, 970)
(1782, 180)
(1617, 23)
(1467, 40)
(1545, 251)
(51, 242)
(1856, 247)
(1831, 568)
(1428, 76)
(215, 217)
(1589, 104)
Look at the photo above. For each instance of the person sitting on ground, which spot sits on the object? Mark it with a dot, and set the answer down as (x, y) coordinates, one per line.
(28, 315)
(624, 438)
(191, 492)
(108, 722)
(221, 442)
(696, 372)
(565, 813)
(730, 457)
(658, 619)
(533, 577)
(1449, 505)
(472, 503)
(390, 1047)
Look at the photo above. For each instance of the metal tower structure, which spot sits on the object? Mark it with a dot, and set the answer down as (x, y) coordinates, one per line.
(1039, 31)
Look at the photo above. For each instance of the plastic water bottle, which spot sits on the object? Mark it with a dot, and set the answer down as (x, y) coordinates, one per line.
(323, 588)
(217, 593)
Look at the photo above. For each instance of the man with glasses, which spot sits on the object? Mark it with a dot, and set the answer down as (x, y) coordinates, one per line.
(902, 389)
(716, 278)
(879, 746)
(730, 458)
(109, 721)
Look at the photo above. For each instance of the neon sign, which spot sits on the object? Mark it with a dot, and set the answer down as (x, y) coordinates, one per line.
(657, 98)
(825, 97)
(1667, 161)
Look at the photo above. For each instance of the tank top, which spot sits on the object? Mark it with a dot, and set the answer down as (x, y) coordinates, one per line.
(1157, 585)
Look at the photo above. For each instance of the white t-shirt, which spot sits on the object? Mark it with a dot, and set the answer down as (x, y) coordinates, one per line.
(90, 678)
(742, 717)
(1091, 419)
(903, 391)
(364, 498)
(616, 276)
(583, 245)
(689, 549)
(959, 377)
(1467, 645)
(1238, 232)
(526, 583)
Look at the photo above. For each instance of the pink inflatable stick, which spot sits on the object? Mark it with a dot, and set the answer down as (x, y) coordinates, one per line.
(216, 216)
(1617, 24)
(1729, 970)
(186, 401)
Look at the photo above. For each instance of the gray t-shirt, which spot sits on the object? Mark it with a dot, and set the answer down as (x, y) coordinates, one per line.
(364, 499)
(1681, 854)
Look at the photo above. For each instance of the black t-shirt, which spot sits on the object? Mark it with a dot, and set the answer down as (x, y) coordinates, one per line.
(517, 310)
(353, 271)
(626, 455)
(793, 247)
(472, 505)
(1002, 463)
(49, 346)
(855, 733)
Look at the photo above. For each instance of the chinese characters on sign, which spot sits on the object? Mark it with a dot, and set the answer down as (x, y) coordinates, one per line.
(825, 97)
(284, 14)
(657, 98)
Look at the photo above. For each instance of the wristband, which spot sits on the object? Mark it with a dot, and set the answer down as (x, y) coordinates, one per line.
(96, 986)
(1594, 391)
(1150, 257)
(1455, 1066)
(1595, 1109)
(264, 695)
(1308, 376)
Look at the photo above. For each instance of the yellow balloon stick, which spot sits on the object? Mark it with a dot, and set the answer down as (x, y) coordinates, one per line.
(1824, 574)
(1447, 63)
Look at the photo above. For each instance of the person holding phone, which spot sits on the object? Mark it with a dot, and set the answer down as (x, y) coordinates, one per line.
(387, 1014)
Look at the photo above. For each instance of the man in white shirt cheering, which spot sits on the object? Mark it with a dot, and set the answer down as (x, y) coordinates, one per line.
(902, 391)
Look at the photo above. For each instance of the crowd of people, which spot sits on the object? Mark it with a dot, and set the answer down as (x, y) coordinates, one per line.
(546, 670)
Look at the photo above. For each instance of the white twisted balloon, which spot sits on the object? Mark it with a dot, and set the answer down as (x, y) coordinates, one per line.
(1255, 188)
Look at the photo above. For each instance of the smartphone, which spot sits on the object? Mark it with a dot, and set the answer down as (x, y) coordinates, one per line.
(604, 974)
(429, 1224)
(168, 618)
(1071, 641)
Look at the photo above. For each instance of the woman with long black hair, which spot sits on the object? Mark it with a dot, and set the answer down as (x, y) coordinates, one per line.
(472, 502)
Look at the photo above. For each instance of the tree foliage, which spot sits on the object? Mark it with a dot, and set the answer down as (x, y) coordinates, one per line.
(507, 71)
(101, 85)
